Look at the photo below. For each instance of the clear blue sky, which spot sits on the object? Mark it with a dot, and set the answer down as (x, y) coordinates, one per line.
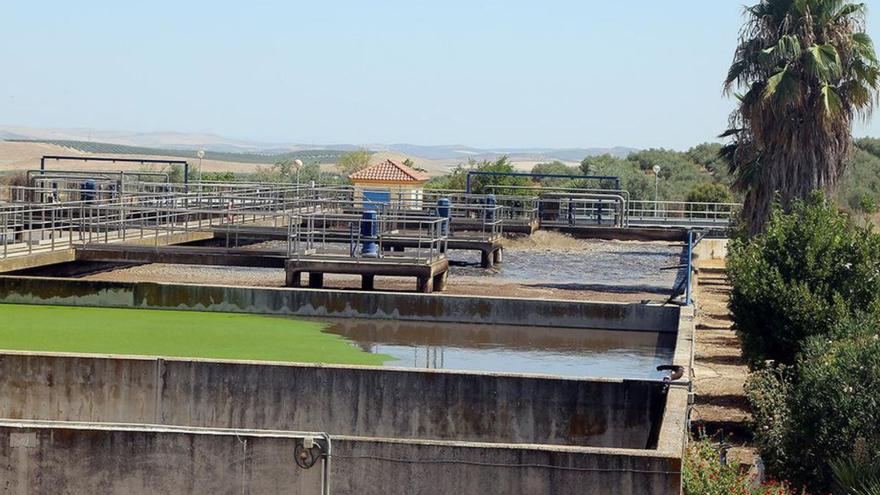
(550, 73)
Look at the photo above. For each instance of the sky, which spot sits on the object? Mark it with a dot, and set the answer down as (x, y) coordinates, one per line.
(581, 73)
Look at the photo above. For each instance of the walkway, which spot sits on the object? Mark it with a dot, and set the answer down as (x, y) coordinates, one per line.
(720, 407)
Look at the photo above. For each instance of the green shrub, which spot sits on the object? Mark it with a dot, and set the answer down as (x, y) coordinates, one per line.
(710, 192)
(704, 474)
(825, 408)
(809, 270)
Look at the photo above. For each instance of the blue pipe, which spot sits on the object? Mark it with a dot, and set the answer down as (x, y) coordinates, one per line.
(369, 231)
(444, 211)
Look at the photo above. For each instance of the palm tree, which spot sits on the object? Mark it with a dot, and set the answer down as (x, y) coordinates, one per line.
(807, 69)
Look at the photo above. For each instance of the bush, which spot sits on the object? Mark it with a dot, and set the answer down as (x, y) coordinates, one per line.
(825, 409)
(707, 192)
(481, 184)
(705, 474)
(710, 192)
(809, 270)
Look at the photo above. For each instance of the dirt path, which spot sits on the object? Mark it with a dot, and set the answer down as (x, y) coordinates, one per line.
(720, 406)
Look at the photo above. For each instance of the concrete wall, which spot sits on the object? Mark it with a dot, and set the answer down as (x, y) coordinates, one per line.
(76, 458)
(134, 459)
(361, 401)
(306, 302)
(710, 249)
(380, 467)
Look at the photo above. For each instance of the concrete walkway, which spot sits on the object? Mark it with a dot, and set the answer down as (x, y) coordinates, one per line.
(720, 407)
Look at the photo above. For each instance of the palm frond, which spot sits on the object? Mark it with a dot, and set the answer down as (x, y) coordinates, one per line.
(831, 100)
(823, 61)
(855, 478)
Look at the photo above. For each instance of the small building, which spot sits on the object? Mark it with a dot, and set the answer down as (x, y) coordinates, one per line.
(389, 182)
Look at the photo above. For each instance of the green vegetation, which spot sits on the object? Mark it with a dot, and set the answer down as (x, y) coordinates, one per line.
(806, 306)
(809, 270)
(411, 164)
(353, 161)
(703, 473)
(710, 192)
(479, 184)
(859, 187)
(807, 69)
(174, 334)
(554, 168)
(680, 171)
(820, 419)
(319, 156)
(289, 171)
(218, 176)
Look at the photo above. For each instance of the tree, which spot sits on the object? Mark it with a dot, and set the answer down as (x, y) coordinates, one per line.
(555, 168)
(353, 161)
(218, 176)
(806, 272)
(289, 171)
(457, 179)
(710, 192)
(807, 69)
(411, 164)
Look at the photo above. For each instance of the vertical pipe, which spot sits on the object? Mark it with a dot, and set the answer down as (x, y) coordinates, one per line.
(690, 257)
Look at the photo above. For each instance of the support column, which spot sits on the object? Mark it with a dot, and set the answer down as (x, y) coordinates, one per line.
(368, 282)
(293, 278)
(440, 281)
(497, 255)
(316, 280)
(424, 285)
(486, 259)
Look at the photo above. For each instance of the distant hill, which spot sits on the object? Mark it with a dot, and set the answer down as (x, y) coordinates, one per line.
(447, 152)
(314, 156)
(248, 151)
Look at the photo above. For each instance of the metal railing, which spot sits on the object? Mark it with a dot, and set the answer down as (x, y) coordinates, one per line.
(682, 213)
(313, 234)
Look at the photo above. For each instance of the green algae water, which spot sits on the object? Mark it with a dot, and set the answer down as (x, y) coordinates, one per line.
(146, 332)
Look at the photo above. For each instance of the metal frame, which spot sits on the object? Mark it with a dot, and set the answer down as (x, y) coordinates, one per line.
(115, 160)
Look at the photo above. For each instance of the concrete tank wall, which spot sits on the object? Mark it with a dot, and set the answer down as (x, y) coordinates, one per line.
(379, 467)
(361, 401)
(95, 459)
(336, 303)
(137, 459)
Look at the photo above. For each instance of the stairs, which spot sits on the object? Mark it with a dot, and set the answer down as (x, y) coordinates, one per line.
(720, 407)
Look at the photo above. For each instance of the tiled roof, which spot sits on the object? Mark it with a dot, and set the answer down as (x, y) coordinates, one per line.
(389, 170)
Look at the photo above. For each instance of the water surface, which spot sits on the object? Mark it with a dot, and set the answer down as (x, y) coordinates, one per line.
(512, 349)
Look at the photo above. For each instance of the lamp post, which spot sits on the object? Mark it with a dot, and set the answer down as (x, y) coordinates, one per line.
(299, 166)
(656, 169)
(200, 154)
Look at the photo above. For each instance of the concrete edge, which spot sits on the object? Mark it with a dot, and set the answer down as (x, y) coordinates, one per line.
(195, 430)
(342, 291)
(395, 369)
(340, 303)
